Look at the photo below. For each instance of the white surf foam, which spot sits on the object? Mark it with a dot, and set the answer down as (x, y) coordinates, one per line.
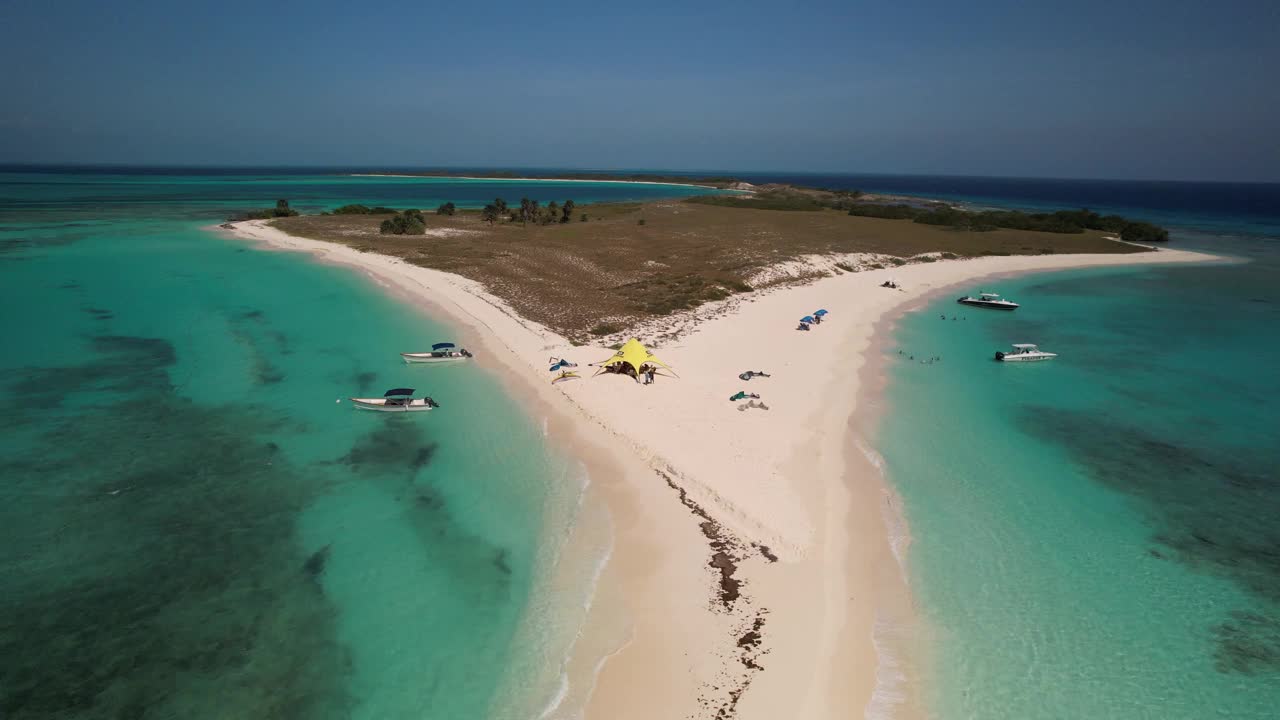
(891, 679)
(554, 706)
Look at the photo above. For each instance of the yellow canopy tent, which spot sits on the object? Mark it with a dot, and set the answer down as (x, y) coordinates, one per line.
(635, 354)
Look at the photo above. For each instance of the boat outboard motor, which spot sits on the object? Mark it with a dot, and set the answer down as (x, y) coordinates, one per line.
(999, 355)
(431, 402)
(464, 352)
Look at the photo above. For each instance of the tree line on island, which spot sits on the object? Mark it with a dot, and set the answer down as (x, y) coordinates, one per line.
(937, 213)
(412, 222)
(1062, 221)
(281, 209)
(529, 212)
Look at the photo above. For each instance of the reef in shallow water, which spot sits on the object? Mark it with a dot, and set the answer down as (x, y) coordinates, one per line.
(157, 573)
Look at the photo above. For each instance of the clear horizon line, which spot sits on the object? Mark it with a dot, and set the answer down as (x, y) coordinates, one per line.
(620, 171)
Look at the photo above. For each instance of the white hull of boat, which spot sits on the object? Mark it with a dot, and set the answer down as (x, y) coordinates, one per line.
(1025, 357)
(414, 358)
(989, 304)
(381, 405)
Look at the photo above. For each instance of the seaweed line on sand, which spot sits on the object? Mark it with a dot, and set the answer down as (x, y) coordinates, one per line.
(726, 552)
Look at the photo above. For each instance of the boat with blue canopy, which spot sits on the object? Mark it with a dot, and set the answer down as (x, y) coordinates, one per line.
(396, 400)
(440, 353)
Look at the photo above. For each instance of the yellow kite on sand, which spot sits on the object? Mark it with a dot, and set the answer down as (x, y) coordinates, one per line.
(635, 354)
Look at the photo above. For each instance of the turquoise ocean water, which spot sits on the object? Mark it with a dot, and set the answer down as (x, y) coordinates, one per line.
(194, 526)
(1097, 536)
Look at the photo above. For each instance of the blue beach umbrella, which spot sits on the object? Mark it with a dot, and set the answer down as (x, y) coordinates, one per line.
(806, 319)
(820, 313)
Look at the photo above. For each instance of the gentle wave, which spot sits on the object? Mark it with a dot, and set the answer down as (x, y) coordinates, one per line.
(590, 588)
(889, 694)
(895, 520)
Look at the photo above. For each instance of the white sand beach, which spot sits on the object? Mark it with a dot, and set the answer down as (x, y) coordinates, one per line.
(774, 493)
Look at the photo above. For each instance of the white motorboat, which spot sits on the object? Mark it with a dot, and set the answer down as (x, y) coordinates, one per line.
(440, 353)
(1025, 352)
(992, 301)
(397, 400)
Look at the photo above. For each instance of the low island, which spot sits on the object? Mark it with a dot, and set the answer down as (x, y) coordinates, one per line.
(590, 271)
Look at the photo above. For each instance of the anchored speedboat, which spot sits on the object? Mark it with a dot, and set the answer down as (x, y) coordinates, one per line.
(992, 301)
(1025, 352)
(396, 400)
(440, 353)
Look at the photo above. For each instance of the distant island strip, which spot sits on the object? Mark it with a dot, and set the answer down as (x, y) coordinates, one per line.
(721, 182)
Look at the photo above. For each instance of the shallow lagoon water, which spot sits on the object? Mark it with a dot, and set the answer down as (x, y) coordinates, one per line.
(196, 523)
(1095, 536)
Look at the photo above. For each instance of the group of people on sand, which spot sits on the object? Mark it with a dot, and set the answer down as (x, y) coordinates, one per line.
(814, 319)
(647, 372)
(889, 284)
(749, 397)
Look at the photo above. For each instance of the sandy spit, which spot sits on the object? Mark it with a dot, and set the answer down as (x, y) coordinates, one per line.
(751, 556)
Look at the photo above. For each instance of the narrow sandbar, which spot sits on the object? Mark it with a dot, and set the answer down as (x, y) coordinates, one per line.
(772, 496)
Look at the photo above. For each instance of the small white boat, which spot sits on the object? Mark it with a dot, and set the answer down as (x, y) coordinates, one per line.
(440, 353)
(991, 301)
(1025, 352)
(397, 400)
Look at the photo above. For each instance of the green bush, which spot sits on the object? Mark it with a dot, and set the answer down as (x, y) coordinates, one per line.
(409, 222)
(364, 210)
(1141, 232)
(1061, 221)
(281, 209)
(888, 212)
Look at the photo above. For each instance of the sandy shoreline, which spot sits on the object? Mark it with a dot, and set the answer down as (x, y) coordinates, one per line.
(705, 493)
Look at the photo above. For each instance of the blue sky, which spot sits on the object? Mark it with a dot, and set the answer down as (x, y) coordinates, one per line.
(1137, 89)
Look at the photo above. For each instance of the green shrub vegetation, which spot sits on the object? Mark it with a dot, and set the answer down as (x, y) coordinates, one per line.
(888, 212)
(665, 294)
(364, 210)
(604, 329)
(409, 222)
(281, 209)
(447, 209)
(1062, 221)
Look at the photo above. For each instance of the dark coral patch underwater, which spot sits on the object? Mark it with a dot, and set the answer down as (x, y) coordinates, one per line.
(158, 572)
